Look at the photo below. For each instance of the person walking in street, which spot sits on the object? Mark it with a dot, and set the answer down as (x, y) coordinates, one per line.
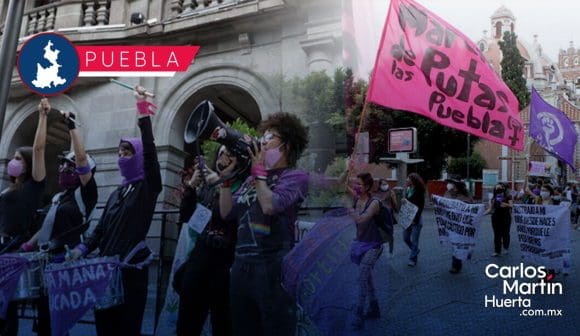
(456, 190)
(500, 206)
(389, 200)
(415, 194)
(366, 248)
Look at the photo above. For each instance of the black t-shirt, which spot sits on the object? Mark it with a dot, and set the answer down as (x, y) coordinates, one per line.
(18, 207)
(68, 215)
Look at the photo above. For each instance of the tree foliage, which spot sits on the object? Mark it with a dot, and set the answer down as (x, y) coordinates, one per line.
(459, 166)
(512, 68)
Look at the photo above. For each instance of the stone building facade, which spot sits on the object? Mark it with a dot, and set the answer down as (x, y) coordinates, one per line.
(245, 46)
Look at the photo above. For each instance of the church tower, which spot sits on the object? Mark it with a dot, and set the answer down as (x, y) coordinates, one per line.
(502, 20)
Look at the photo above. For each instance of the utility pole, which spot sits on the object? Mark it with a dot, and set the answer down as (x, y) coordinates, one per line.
(8, 53)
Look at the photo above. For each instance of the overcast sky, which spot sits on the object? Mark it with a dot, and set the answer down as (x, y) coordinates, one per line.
(556, 22)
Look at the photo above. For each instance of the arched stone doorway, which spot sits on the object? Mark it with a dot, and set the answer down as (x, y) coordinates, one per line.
(21, 133)
(230, 102)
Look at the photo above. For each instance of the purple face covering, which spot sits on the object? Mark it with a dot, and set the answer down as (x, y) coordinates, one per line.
(68, 180)
(271, 157)
(15, 168)
(132, 168)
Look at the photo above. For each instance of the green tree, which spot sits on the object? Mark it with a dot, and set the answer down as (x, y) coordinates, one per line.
(459, 166)
(512, 68)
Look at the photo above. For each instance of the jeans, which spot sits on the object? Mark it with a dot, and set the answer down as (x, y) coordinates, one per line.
(411, 238)
(501, 232)
(205, 290)
(125, 319)
(260, 306)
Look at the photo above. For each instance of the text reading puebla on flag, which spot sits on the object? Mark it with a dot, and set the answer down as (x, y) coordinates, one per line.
(134, 61)
(426, 66)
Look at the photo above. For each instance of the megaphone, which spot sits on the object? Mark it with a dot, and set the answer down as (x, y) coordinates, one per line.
(204, 124)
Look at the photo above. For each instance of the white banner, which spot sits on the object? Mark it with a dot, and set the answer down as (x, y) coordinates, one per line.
(544, 234)
(407, 212)
(458, 223)
(168, 317)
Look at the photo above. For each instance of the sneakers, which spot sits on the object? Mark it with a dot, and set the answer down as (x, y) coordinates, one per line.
(505, 252)
(495, 254)
(374, 312)
(412, 263)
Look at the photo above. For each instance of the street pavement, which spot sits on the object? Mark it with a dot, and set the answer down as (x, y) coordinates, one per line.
(428, 300)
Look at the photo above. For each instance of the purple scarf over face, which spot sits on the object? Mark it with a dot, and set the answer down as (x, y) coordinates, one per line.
(132, 168)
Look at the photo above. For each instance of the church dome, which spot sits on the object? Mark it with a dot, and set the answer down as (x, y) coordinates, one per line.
(503, 12)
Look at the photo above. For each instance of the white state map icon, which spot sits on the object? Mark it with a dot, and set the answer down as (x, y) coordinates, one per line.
(48, 77)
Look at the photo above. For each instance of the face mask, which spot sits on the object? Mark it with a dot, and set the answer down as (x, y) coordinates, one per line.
(357, 190)
(131, 169)
(450, 186)
(68, 179)
(15, 168)
(271, 157)
(536, 192)
(499, 198)
(385, 187)
(556, 198)
(545, 194)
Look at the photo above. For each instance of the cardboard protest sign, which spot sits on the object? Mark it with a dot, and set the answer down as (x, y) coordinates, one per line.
(406, 214)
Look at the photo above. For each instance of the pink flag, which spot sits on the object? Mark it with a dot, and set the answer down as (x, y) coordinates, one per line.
(426, 66)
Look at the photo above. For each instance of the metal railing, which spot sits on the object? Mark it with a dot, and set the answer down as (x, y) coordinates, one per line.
(164, 262)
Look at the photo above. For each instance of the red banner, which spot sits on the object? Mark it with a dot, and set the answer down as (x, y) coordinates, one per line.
(134, 59)
(426, 66)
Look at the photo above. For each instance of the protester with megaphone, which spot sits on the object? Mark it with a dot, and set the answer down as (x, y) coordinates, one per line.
(266, 207)
(203, 281)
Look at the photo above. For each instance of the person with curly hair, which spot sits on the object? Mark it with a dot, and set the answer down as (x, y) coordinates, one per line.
(265, 207)
(415, 194)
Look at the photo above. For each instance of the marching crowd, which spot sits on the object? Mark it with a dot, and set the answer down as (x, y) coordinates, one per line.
(234, 272)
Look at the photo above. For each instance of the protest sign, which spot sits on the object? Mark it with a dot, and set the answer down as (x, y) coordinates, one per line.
(200, 218)
(74, 288)
(458, 223)
(11, 268)
(168, 316)
(544, 234)
(407, 213)
(426, 66)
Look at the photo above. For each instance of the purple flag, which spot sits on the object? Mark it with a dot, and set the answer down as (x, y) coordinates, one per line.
(11, 268)
(552, 129)
(320, 276)
(74, 288)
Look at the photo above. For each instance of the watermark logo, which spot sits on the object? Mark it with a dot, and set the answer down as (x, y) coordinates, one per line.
(48, 64)
(521, 283)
